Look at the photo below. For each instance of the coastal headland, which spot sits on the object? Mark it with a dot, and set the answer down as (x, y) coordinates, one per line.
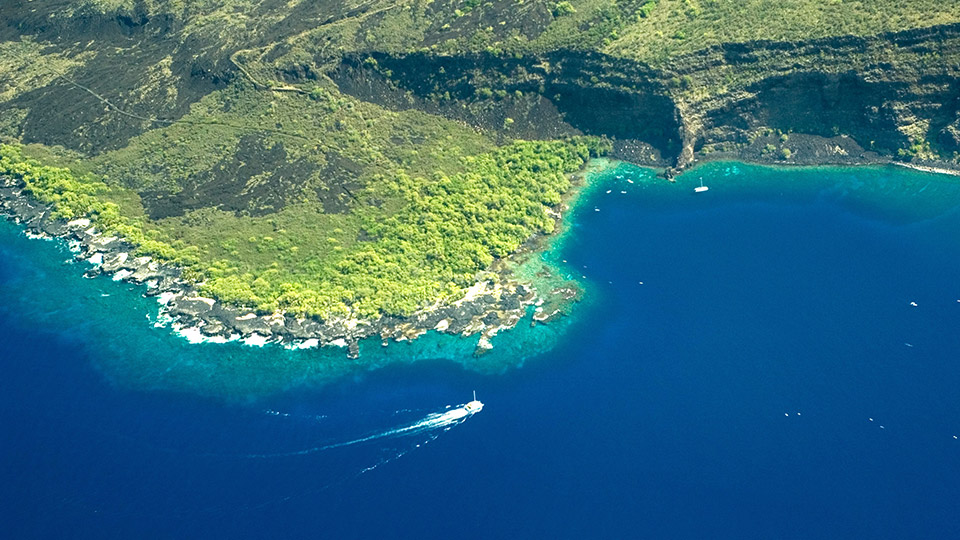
(500, 302)
(319, 174)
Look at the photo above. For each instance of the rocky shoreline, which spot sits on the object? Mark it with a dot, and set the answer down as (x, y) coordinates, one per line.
(487, 308)
(803, 150)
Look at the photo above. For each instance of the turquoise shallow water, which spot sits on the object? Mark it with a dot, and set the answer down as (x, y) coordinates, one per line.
(44, 289)
(749, 365)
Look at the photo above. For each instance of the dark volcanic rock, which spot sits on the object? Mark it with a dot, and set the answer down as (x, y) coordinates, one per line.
(188, 306)
(949, 137)
(212, 329)
(510, 302)
(247, 325)
(491, 318)
(115, 256)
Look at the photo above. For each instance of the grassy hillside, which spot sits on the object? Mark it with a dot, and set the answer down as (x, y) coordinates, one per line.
(662, 29)
(642, 29)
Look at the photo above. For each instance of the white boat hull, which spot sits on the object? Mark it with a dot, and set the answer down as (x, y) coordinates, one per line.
(473, 407)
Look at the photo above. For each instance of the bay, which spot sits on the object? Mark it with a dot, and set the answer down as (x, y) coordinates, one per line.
(750, 364)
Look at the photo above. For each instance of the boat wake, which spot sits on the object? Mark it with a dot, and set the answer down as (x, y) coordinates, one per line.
(364, 454)
(432, 425)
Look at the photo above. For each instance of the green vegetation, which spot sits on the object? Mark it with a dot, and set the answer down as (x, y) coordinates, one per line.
(919, 148)
(648, 30)
(563, 8)
(305, 135)
(74, 196)
(658, 30)
(24, 66)
(289, 158)
(447, 229)
(439, 235)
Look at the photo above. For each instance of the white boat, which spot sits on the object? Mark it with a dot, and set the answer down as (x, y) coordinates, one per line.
(474, 406)
(702, 187)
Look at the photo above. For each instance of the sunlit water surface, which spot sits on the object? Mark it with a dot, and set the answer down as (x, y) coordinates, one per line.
(776, 357)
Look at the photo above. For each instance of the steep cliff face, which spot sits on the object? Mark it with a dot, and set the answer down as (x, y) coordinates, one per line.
(528, 96)
(895, 95)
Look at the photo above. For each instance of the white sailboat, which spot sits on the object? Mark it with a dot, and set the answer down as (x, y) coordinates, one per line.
(702, 187)
(474, 406)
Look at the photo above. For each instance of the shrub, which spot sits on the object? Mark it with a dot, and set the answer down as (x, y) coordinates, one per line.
(563, 8)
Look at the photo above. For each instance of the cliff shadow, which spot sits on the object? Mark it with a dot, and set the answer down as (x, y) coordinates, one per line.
(520, 97)
(821, 104)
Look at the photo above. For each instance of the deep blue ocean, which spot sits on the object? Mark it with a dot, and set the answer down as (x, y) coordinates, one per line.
(778, 357)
